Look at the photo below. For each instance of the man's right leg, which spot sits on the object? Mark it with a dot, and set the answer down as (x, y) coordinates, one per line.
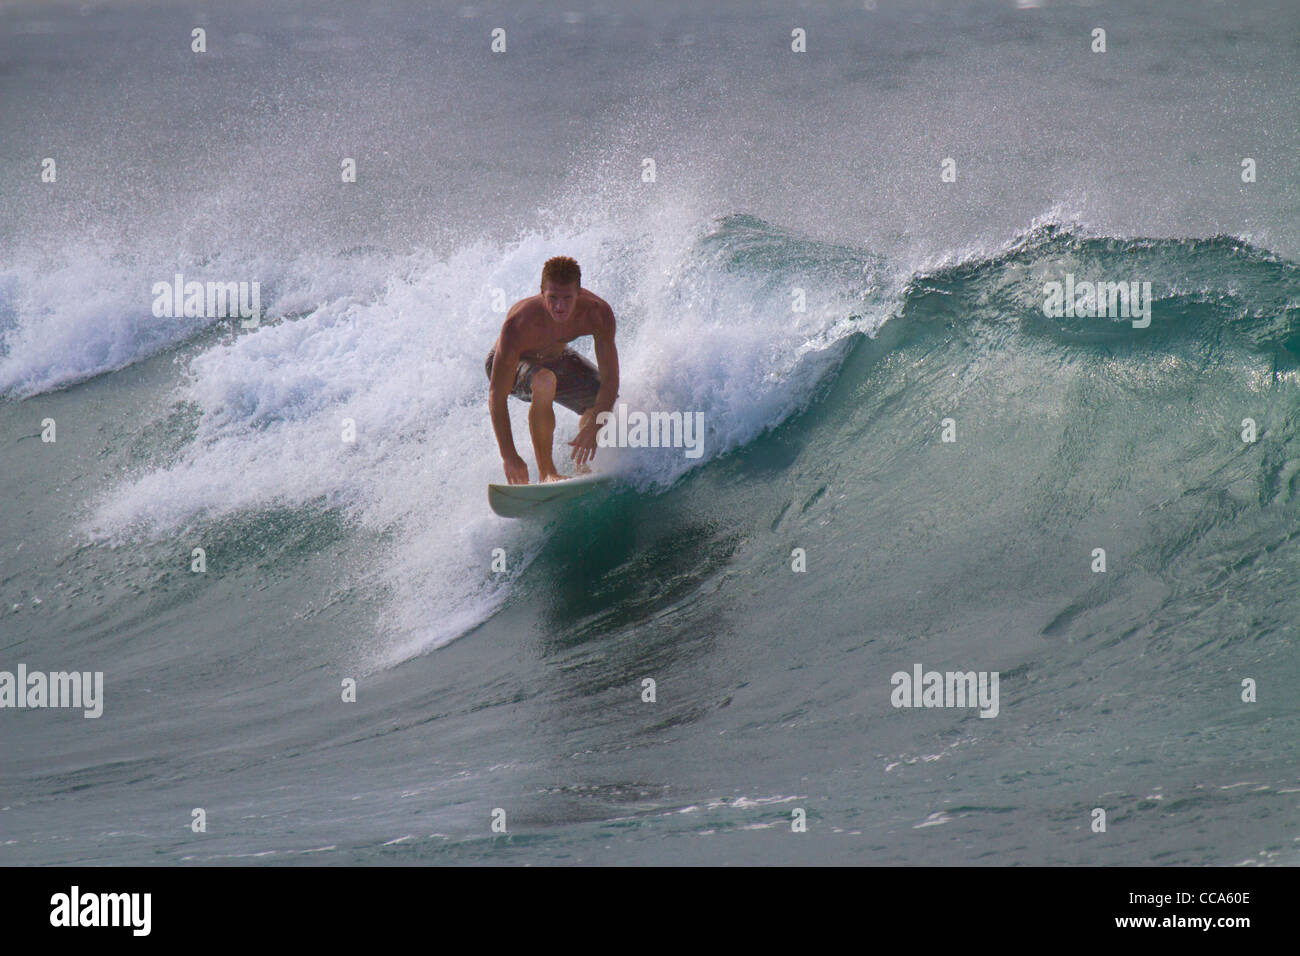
(541, 423)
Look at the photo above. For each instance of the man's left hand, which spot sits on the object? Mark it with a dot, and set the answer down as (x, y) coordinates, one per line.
(584, 446)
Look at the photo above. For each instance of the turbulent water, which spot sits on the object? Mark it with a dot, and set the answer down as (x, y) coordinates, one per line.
(522, 690)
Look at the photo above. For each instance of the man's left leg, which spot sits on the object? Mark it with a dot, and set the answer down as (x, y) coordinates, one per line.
(578, 384)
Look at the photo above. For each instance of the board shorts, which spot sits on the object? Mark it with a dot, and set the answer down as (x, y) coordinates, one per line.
(577, 381)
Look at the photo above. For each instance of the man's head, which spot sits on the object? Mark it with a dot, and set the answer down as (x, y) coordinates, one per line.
(561, 279)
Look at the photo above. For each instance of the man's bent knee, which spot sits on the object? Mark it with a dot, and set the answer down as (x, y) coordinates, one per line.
(543, 385)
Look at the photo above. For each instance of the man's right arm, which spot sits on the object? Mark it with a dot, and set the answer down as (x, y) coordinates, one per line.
(504, 366)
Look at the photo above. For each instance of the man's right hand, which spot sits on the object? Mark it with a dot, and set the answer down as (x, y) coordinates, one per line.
(516, 470)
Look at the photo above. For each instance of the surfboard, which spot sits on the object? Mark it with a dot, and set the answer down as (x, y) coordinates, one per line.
(541, 500)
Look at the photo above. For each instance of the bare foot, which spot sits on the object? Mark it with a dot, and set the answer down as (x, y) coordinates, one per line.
(554, 476)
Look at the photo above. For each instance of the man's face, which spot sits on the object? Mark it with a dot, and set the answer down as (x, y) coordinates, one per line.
(560, 299)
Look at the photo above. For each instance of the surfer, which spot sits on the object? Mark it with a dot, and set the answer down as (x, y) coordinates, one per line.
(532, 361)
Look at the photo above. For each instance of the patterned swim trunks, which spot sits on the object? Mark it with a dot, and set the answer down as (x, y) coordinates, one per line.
(577, 381)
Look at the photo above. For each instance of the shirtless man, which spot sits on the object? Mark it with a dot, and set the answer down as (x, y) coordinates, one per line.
(531, 361)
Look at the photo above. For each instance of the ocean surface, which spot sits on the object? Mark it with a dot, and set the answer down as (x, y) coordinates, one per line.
(516, 693)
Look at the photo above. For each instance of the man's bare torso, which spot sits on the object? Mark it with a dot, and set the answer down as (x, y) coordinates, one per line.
(540, 337)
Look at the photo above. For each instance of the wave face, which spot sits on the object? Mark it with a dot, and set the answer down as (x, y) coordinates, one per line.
(824, 433)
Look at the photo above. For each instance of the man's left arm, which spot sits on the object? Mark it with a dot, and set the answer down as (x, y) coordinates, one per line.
(584, 445)
(606, 362)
